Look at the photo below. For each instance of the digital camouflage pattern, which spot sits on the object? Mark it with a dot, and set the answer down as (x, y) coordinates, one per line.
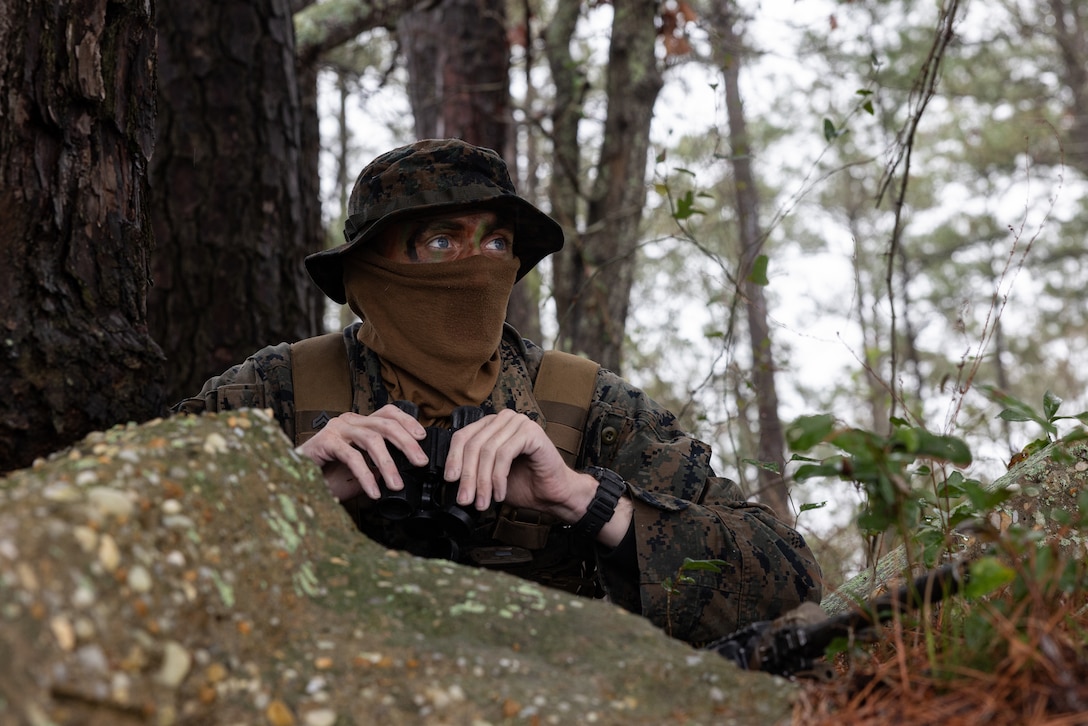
(429, 176)
(682, 510)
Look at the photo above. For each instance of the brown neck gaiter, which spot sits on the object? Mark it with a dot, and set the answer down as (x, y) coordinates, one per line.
(435, 326)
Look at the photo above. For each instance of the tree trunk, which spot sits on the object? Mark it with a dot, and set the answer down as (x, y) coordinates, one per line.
(229, 220)
(772, 445)
(459, 64)
(76, 133)
(314, 234)
(1070, 31)
(593, 276)
(458, 59)
(564, 191)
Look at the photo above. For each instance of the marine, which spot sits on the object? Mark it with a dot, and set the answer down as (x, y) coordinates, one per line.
(570, 477)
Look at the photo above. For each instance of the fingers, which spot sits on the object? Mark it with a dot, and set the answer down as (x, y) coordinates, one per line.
(481, 456)
(361, 443)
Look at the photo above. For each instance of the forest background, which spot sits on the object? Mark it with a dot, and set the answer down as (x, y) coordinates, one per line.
(863, 208)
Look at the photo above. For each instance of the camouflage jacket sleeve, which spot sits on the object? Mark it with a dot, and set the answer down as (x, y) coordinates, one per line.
(682, 510)
(262, 381)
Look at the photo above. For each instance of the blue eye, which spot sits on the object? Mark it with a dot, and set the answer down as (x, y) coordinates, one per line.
(440, 243)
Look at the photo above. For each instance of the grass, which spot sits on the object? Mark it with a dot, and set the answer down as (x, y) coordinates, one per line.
(1017, 656)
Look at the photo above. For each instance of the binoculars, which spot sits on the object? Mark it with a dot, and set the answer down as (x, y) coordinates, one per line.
(428, 503)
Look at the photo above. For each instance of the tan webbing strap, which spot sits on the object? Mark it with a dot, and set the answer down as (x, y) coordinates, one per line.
(526, 528)
(321, 378)
(564, 389)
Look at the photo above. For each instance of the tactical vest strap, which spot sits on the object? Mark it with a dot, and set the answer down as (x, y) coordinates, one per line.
(564, 389)
(322, 383)
(526, 528)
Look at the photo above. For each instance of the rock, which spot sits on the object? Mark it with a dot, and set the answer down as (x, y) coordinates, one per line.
(195, 570)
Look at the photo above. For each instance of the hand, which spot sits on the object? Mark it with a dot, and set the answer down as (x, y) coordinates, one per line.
(509, 457)
(353, 450)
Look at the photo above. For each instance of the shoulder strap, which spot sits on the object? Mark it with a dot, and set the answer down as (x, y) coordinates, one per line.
(321, 378)
(564, 389)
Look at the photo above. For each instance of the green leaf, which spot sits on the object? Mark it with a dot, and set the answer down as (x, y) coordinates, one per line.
(685, 207)
(758, 275)
(868, 107)
(1074, 436)
(829, 130)
(765, 465)
(1051, 404)
(983, 499)
(704, 565)
(862, 444)
(807, 431)
(810, 471)
(986, 575)
(874, 522)
(953, 487)
(1017, 410)
(1013, 414)
(909, 439)
(808, 506)
(837, 646)
(921, 443)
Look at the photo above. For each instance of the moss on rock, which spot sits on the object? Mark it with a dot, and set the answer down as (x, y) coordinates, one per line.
(195, 570)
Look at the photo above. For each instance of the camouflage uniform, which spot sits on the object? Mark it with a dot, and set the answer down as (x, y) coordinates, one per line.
(681, 509)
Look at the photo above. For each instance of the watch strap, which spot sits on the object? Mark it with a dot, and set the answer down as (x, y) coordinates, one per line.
(610, 487)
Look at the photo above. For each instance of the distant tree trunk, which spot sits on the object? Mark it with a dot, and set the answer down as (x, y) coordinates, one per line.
(772, 445)
(594, 275)
(459, 71)
(564, 190)
(876, 390)
(76, 132)
(314, 233)
(458, 59)
(226, 178)
(1070, 31)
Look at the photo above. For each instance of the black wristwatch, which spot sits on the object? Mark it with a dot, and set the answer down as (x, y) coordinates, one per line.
(610, 487)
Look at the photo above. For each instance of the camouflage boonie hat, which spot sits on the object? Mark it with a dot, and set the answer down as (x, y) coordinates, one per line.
(430, 176)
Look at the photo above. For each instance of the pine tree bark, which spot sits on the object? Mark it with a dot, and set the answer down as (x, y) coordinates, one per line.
(594, 274)
(458, 60)
(76, 132)
(230, 223)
